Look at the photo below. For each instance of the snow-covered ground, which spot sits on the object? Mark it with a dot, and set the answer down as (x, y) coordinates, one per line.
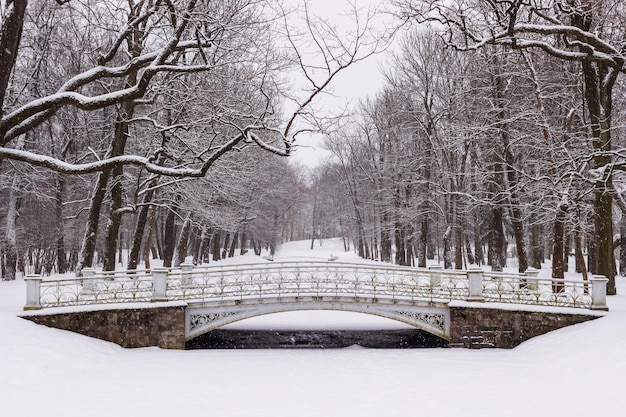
(576, 371)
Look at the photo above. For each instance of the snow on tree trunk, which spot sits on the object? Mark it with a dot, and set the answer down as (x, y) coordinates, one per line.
(557, 248)
(216, 243)
(11, 231)
(447, 248)
(61, 263)
(169, 236)
(140, 225)
(622, 246)
(149, 237)
(183, 241)
(10, 36)
(233, 245)
(88, 246)
(497, 244)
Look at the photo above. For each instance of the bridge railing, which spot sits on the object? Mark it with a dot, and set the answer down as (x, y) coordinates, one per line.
(311, 279)
(315, 279)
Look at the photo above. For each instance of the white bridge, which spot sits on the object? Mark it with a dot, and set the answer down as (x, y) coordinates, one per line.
(218, 295)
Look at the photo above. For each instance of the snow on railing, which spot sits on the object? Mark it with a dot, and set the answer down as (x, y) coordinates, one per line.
(317, 279)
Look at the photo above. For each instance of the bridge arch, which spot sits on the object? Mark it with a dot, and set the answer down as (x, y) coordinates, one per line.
(201, 318)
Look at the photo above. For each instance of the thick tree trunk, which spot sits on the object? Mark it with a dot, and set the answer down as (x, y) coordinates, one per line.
(195, 242)
(362, 251)
(622, 246)
(400, 248)
(591, 256)
(557, 248)
(169, 237)
(447, 248)
(578, 252)
(10, 248)
(520, 238)
(598, 91)
(225, 246)
(149, 237)
(498, 241)
(140, 226)
(274, 234)
(61, 263)
(10, 36)
(244, 240)
(513, 203)
(216, 243)
(88, 246)
(256, 245)
(205, 240)
(233, 245)
(478, 241)
(183, 242)
(423, 242)
(410, 245)
(458, 235)
(112, 229)
(605, 259)
(536, 246)
(385, 242)
(566, 250)
(314, 227)
(468, 250)
(117, 192)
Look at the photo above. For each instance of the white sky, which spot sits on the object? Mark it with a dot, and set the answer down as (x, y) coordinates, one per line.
(357, 82)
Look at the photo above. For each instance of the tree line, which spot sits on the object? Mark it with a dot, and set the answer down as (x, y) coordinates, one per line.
(498, 135)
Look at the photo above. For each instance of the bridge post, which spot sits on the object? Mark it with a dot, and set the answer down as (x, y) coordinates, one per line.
(598, 292)
(532, 273)
(33, 287)
(185, 272)
(87, 280)
(159, 284)
(475, 279)
(435, 275)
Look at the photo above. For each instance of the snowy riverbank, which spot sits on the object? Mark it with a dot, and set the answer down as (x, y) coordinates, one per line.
(576, 371)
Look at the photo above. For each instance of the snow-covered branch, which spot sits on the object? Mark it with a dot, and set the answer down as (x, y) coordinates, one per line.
(472, 25)
(26, 117)
(148, 163)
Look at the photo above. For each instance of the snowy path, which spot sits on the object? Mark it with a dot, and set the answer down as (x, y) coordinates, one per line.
(577, 371)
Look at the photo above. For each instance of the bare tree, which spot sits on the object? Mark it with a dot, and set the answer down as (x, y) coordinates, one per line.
(133, 54)
(572, 30)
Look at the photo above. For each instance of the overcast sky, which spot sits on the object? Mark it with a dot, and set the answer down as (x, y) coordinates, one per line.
(361, 80)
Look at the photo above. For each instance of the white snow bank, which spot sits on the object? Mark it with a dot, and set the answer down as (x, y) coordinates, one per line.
(576, 371)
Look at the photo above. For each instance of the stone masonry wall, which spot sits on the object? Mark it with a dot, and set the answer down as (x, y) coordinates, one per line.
(131, 328)
(491, 328)
(165, 326)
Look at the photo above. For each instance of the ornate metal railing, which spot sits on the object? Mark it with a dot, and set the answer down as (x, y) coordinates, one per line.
(316, 279)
